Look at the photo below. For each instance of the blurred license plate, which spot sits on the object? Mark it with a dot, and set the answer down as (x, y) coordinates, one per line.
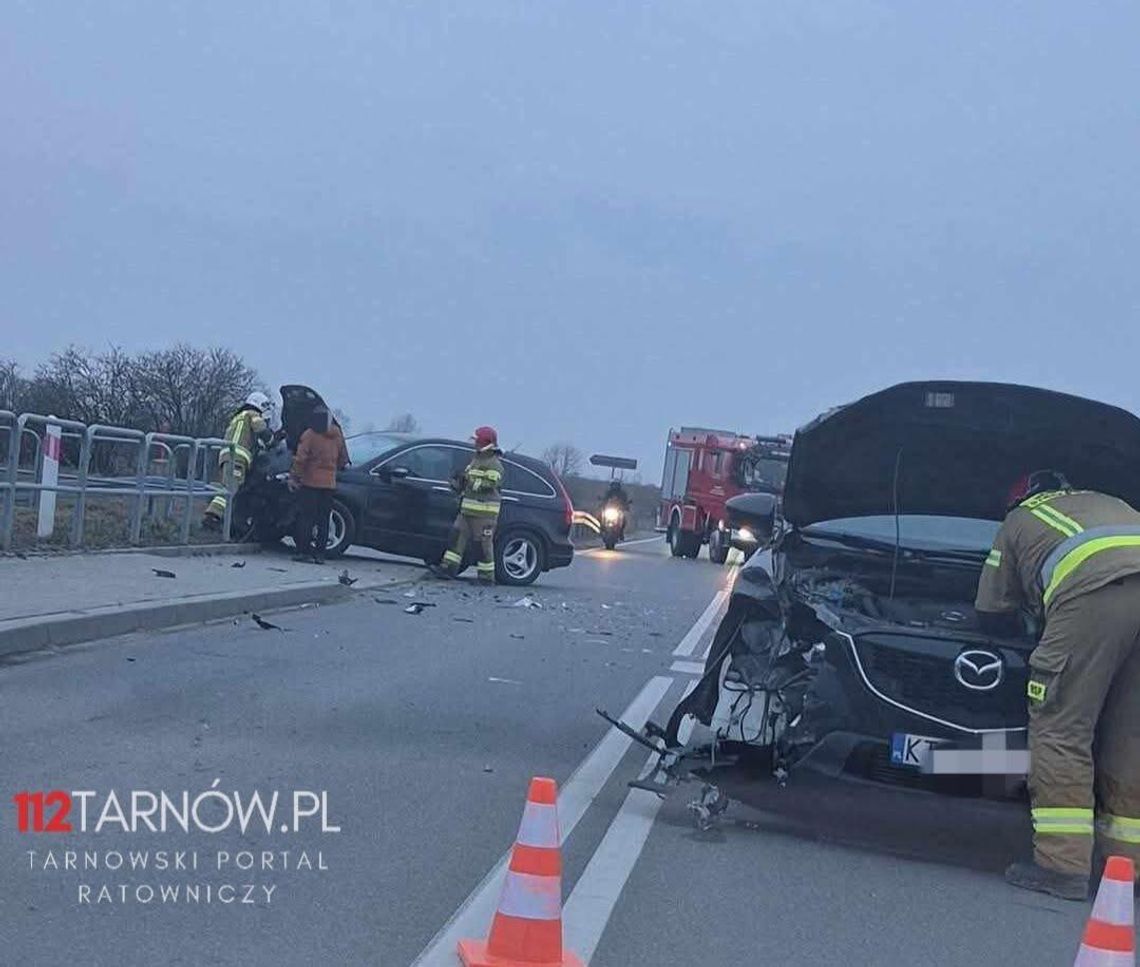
(912, 751)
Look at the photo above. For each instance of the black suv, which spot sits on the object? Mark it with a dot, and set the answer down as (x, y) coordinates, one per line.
(397, 497)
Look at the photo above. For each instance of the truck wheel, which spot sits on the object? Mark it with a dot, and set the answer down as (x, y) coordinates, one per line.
(718, 547)
(674, 537)
(692, 544)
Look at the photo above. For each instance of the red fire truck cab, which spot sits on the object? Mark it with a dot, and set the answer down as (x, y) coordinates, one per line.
(703, 469)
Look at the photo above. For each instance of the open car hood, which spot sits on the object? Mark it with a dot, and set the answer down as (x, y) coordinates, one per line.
(297, 405)
(954, 449)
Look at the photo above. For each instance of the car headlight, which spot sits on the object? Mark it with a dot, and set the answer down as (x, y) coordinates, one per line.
(744, 534)
(611, 514)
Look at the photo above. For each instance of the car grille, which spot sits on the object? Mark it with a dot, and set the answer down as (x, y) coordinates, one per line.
(919, 674)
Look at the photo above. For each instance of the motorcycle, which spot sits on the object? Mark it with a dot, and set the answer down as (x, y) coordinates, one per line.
(613, 525)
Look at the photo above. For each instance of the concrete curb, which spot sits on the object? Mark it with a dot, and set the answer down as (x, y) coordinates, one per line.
(34, 634)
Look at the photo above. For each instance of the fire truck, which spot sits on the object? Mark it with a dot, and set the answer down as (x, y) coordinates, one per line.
(703, 469)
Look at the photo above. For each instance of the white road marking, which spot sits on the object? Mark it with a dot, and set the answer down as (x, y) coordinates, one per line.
(640, 540)
(473, 918)
(689, 643)
(596, 893)
(688, 667)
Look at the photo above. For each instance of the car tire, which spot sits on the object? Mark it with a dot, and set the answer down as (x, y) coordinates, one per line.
(520, 557)
(342, 530)
(718, 547)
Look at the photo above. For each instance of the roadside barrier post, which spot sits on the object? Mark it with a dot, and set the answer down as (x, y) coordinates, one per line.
(49, 478)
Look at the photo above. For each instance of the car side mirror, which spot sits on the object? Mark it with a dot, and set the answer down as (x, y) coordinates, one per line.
(388, 474)
(753, 512)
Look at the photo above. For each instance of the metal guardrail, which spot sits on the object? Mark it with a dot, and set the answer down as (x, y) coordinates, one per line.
(142, 485)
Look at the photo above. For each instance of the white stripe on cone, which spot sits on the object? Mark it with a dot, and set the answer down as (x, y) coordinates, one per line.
(531, 897)
(1093, 957)
(539, 826)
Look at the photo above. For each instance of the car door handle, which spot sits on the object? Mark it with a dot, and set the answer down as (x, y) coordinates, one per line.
(505, 497)
(441, 488)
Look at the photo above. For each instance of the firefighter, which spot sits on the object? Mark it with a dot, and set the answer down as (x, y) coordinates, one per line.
(248, 429)
(479, 485)
(1073, 558)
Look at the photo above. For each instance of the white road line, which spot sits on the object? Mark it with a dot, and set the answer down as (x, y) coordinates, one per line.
(688, 667)
(596, 893)
(689, 643)
(473, 918)
(640, 540)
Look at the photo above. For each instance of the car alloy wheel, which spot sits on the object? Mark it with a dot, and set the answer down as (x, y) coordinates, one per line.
(520, 558)
(337, 528)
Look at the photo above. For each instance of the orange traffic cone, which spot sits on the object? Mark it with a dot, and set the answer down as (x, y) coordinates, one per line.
(1110, 935)
(527, 929)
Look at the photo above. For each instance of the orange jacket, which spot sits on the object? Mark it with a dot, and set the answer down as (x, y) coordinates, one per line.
(319, 456)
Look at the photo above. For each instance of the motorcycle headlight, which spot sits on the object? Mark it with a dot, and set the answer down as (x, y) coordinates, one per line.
(611, 514)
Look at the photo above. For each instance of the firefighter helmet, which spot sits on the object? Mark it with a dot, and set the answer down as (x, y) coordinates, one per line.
(1037, 482)
(486, 437)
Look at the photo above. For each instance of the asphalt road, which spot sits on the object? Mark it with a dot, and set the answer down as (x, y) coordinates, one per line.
(424, 730)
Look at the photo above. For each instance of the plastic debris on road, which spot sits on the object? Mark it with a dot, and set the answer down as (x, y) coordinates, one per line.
(344, 579)
(417, 607)
(527, 602)
(238, 564)
(504, 681)
(160, 573)
(265, 625)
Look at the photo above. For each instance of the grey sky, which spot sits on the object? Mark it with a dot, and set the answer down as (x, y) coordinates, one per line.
(578, 219)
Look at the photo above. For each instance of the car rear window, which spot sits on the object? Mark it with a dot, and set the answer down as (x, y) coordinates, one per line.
(524, 481)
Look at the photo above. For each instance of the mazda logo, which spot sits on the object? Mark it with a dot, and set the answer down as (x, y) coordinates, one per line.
(979, 671)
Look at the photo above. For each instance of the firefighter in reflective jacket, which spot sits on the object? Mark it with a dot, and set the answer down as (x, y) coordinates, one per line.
(248, 429)
(479, 485)
(1073, 557)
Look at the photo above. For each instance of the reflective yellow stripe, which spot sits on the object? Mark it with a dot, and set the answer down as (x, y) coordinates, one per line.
(239, 453)
(471, 506)
(1076, 557)
(1062, 518)
(994, 558)
(452, 558)
(1062, 812)
(1040, 514)
(485, 567)
(1124, 829)
(1036, 691)
(1063, 821)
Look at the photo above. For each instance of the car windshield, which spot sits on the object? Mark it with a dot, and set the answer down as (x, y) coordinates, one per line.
(365, 447)
(918, 531)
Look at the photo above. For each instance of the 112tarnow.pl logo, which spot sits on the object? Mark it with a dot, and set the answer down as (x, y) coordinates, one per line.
(212, 810)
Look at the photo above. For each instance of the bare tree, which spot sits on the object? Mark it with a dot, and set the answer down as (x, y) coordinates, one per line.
(404, 423)
(565, 458)
(13, 386)
(193, 391)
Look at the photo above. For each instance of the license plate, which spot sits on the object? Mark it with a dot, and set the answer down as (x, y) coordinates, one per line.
(912, 751)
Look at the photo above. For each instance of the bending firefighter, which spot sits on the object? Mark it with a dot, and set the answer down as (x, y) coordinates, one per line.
(1074, 557)
(479, 485)
(248, 429)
